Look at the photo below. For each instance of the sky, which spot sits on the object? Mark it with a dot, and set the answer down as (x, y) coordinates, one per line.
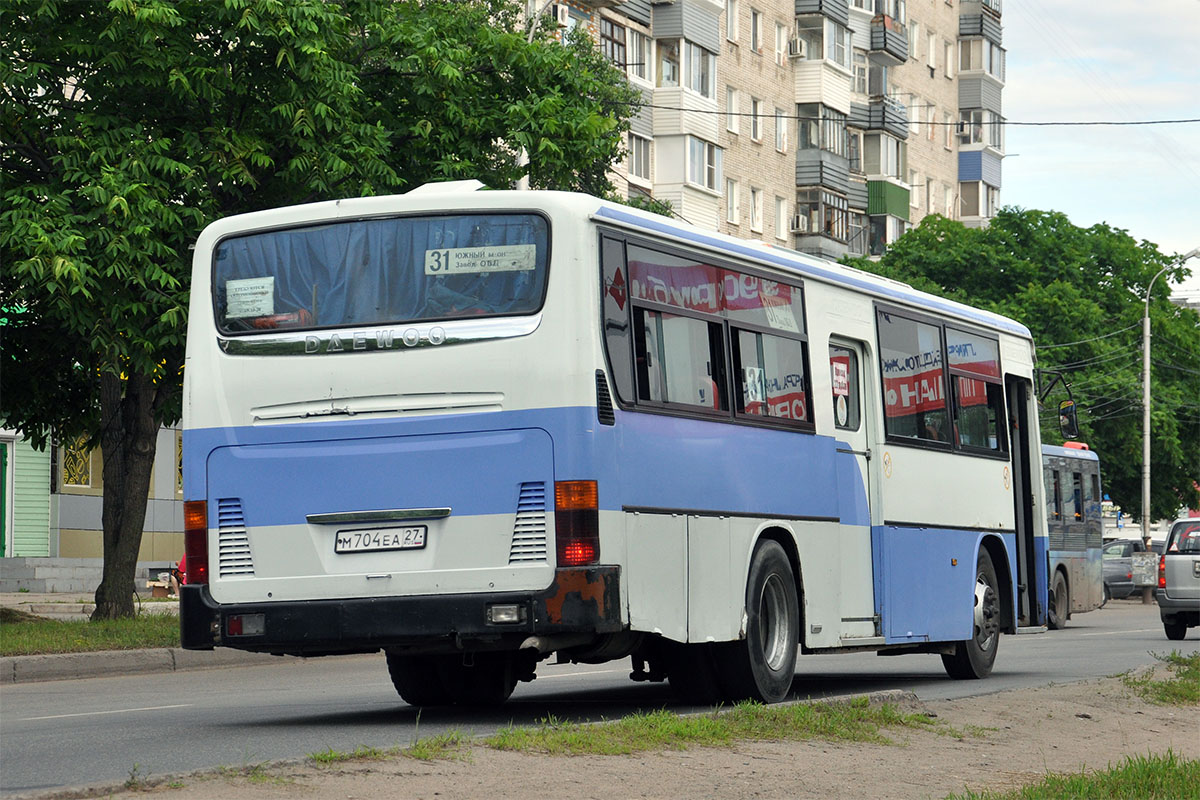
(1120, 60)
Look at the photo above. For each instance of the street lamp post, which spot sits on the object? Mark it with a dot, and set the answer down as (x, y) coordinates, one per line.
(1147, 592)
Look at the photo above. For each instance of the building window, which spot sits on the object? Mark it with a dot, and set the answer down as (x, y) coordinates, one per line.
(76, 463)
(824, 38)
(731, 20)
(854, 151)
(756, 209)
(701, 67)
(981, 55)
(978, 126)
(756, 32)
(704, 163)
(931, 122)
(914, 185)
(914, 38)
(930, 197)
(914, 115)
(858, 234)
(639, 157)
(641, 58)
(781, 40)
(948, 200)
(733, 210)
(885, 155)
(947, 130)
(948, 58)
(823, 213)
(931, 52)
(781, 127)
(732, 110)
(756, 119)
(668, 62)
(821, 128)
(860, 71)
(781, 218)
(612, 41)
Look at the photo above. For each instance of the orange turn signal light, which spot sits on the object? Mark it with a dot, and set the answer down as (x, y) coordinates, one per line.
(576, 496)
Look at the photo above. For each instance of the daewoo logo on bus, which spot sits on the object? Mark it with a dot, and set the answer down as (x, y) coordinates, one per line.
(382, 340)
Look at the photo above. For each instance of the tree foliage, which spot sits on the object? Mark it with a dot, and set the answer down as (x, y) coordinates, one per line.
(127, 126)
(1081, 292)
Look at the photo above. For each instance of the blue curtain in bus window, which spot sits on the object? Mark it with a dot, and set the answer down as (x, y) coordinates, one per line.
(382, 272)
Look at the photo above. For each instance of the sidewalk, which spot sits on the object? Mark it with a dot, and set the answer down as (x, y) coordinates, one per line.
(68, 666)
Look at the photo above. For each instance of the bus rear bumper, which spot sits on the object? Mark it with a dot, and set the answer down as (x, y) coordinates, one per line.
(582, 600)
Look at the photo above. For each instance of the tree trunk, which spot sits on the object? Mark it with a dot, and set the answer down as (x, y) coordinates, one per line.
(129, 434)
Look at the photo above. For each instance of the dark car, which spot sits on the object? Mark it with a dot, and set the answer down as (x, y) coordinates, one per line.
(1178, 592)
(1117, 557)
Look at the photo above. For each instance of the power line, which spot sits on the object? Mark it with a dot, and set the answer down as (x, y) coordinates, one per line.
(953, 123)
(1085, 341)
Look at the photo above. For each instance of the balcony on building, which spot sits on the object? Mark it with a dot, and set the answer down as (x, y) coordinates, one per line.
(836, 10)
(889, 41)
(883, 113)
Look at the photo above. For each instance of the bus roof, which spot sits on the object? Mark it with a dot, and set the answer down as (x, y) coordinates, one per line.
(467, 194)
(1069, 452)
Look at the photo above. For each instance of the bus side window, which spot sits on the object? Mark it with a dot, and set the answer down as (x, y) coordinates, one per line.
(1058, 505)
(1077, 491)
(843, 370)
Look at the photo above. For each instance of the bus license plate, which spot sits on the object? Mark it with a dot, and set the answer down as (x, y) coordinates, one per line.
(371, 540)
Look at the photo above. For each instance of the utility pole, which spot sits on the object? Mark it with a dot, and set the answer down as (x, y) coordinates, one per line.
(1148, 592)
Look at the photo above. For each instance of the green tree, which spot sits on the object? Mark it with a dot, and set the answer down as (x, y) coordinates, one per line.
(128, 126)
(1081, 292)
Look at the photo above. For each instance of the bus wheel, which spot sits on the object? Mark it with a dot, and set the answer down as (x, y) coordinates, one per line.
(762, 666)
(1175, 631)
(487, 680)
(691, 672)
(1060, 604)
(417, 679)
(974, 657)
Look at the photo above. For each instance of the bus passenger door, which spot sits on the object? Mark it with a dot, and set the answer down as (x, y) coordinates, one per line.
(849, 376)
(1026, 468)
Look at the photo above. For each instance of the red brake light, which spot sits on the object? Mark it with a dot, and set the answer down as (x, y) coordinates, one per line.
(1162, 572)
(577, 523)
(195, 540)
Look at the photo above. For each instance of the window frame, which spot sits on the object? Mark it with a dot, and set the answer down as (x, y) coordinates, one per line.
(635, 159)
(729, 331)
(614, 42)
(733, 107)
(949, 373)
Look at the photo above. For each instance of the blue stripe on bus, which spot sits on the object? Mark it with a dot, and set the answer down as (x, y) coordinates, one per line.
(287, 471)
(920, 575)
(807, 267)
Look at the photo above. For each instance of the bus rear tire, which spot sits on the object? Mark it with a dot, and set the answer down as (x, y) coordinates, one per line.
(488, 680)
(761, 667)
(417, 679)
(1060, 604)
(973, 658)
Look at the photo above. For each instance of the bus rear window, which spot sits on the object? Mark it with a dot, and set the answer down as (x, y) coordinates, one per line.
(384, 271)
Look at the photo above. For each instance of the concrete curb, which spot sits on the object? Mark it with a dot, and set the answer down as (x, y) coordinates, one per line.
(107, 663)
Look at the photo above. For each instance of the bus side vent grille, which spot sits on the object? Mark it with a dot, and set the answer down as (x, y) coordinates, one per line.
(604, 406)
(233, 543)
(529, 530)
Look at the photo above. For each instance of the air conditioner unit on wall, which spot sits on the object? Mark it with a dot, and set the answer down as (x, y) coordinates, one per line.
(796, 47)
(562, 14)
(800, 224)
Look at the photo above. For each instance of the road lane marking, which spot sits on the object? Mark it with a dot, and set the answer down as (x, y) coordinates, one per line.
(116, 711)
(574, 674)
(1119, 633)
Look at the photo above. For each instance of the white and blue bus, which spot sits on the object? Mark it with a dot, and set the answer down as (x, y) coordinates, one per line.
(477, 429)
(1075, 530)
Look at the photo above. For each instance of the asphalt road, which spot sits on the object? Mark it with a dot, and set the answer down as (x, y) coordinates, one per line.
(67, 733)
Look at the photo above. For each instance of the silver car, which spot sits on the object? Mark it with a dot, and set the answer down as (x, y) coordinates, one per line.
(1178, 591)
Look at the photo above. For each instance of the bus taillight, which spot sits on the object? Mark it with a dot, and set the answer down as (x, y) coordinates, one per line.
(577, 523)
(195, 540)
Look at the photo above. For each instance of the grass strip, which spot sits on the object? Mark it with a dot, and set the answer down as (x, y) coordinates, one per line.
(855, 721)
(1151, 777)
(1181, 689)
(22, 636)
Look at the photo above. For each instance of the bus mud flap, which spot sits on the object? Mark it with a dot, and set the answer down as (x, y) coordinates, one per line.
(584, 598)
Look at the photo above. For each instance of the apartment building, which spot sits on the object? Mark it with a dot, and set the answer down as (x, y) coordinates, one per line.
(828, 126)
